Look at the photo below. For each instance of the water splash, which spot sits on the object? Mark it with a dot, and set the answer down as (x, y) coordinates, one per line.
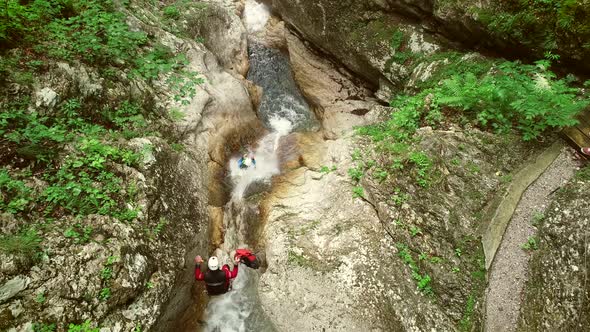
(229, 312)
(267, 161)
(283, 110)
(255, 16)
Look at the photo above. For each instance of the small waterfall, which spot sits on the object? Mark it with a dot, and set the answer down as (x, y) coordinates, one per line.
(239, 309)
(255, 16)
(282, 110)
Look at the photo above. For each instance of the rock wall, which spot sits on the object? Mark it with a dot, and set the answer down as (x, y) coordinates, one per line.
(409, 257)
(149, 260)
(557, 295)
(358, 33)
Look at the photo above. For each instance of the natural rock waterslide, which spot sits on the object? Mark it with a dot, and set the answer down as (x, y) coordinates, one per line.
(345, 251)
(282, 109)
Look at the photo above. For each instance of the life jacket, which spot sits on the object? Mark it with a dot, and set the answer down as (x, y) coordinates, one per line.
(248, 258)
(216, 282)
(246, 162)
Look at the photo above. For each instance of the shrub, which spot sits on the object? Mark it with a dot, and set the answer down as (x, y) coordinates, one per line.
(171, 12)
(526, 97)
(26, 243)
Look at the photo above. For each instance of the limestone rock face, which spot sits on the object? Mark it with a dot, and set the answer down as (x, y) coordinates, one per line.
(358, 34)
(123, 275)
(340, 100)
(322, 241)
(218, 26)
(556, 294)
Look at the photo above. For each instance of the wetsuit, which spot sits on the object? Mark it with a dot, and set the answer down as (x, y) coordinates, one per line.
(216, 282)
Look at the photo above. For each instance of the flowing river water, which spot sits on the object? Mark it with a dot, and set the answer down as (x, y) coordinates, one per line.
(282, 110)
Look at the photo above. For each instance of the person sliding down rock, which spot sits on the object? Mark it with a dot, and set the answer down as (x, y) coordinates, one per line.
(247, 258)
(247, 160)
(217, 281)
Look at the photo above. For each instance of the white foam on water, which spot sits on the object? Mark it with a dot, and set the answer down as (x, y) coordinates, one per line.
(228, 312)
(281, 126)
(255, 15)
(267, 161)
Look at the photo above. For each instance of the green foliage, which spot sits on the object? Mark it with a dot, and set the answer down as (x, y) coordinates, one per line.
(423, 280)
(176, 115)
(15, 195)
(356, 155)
(111, 260)
(414, 230)
(358, 192)
(356, 173)
(184, 83)
(104, 294)
(399, 197)
(27, 243)
(81, 236)
(42, 327)
(531, 244)
(398, 46)
(583, 174)
(171, 12)
(423, 165)
(526, 97)
(294, 258)
(506, 178)
(435, 260)
(545, 24)
(91, 30)
(537, 218)
(84, 327)
(466, 321)
(473, 168)
(159, 60)
(326, 169)
(106, 273)
(458, 252)
(82, 183)
(40, 298)
(178, 147)
(159, 227)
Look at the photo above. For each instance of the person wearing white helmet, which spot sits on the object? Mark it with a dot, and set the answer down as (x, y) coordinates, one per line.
(217, 281)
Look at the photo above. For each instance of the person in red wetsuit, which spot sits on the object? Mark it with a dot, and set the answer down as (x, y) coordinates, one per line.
(217, 281)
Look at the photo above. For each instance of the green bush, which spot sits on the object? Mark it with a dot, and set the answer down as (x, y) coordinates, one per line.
(171, 12)
(15, 195)
(84, 327)
(528, 98)
(548, 24)
(26, 243)
(423, 281)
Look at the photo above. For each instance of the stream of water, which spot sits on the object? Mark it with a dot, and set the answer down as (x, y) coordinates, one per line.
(282, 110)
